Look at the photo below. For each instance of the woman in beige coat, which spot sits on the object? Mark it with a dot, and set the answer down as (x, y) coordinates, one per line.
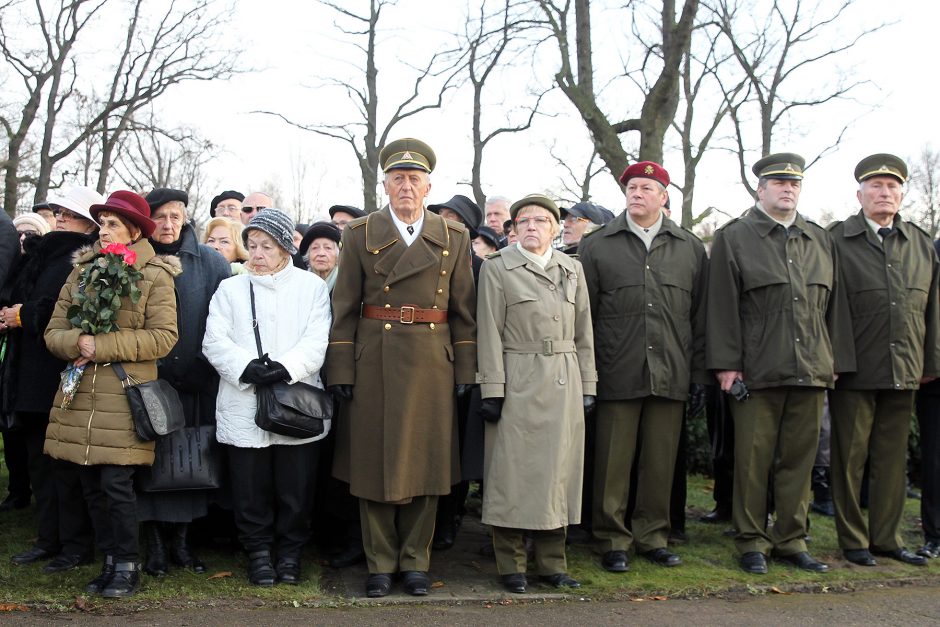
(536, 370)
(96, 431)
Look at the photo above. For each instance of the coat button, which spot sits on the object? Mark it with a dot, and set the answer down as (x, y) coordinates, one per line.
(387, 306)
(431, 326)
(556, 318)
(387, 289)
(443, 272)
(551, 287)
(388, 326)
(446, 253)
(440, 290)
(561, 381)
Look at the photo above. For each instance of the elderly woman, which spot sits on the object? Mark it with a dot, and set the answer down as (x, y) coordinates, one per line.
(63, 531)
(536, 361)
(96, 430)
(30, 225)
(167, 514)
(272, 475)
(320, 251)
(225, 237)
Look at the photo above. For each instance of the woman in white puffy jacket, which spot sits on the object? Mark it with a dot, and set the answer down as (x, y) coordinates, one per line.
(272, 475)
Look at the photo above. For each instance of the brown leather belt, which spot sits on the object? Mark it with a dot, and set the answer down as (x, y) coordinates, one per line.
(407, 314)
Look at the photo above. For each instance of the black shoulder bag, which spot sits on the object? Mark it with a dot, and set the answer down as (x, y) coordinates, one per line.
(155, 405)
(296, 410)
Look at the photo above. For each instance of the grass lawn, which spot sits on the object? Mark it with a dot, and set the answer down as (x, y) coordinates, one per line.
(710, 568)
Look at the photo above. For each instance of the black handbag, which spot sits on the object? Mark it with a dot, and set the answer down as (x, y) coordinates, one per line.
(296, 410)
(188, 459)
(155, 406)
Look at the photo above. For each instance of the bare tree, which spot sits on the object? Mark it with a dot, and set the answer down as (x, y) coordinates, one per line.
(575, 76)
(776, 44)
(924, 190)
(576, 186)
(364, 135)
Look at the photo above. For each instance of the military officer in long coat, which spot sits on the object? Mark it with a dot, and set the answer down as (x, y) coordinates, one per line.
(403, 338)
(773, 299)
(889, 270)
(646, 279)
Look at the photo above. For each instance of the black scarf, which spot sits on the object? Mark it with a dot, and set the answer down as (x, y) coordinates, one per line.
(167, 249)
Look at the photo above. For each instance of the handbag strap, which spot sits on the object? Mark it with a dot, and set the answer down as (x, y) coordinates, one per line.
(120, 372)
(254, 320)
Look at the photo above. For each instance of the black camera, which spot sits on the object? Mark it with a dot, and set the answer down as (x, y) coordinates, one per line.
(739, 390)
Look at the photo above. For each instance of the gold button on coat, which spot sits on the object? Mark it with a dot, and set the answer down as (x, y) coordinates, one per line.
(388, 326)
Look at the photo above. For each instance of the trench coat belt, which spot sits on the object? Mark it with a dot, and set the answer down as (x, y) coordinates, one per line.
(406, 314)
(545, 347)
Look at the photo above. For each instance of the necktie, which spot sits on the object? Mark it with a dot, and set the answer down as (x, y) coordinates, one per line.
(411, 230)
(885, 231)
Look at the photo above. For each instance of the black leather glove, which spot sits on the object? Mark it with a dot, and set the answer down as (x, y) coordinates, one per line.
(590, 404)
(255, 371)
(342, 392)
(464, 389)
(491, 409)
(276, 372)
(696, 399)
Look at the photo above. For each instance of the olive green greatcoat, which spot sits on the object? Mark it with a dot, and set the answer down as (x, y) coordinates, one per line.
(893, 298)
(648, 309)
(536, 351)
(97, 428)
(397, 437)
(775, 303)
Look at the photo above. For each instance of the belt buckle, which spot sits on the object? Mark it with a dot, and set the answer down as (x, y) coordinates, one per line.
(547, 347)
(401, 315)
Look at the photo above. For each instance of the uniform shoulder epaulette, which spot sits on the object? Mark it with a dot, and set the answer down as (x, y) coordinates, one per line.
(494, 254)
(729, 223)
(833, 225)
(814, 223)
(355, 224)
(921, 229)
(454, 225)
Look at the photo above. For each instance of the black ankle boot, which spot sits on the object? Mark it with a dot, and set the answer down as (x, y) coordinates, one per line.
(99, 583)
(260, 569)
(180, 552)
(822, 494)
(156, 550)
(124, 582)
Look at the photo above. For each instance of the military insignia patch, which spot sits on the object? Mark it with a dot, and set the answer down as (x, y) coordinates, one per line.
(408, 156)
(648, 169)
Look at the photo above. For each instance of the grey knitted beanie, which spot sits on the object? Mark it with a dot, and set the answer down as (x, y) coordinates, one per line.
(275, 223)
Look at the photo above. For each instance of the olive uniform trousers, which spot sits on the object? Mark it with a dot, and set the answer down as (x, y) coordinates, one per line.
(509, 548)
(776, 433)
(657, 422)
(387, 551)
(873, 426)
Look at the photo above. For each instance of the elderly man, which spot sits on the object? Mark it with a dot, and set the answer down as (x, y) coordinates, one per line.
(772, 294)
(646, 279)
(889, 271)
(496, 214)
(253, 203)
(341, 215)
(403, 337)
(579, 219)
(228, 204)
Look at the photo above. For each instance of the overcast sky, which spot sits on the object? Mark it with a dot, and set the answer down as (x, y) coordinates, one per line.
(294, 46)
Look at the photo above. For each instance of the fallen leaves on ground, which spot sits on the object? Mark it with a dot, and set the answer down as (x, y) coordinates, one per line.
(82, 604)
(437, 584)
(777, 590)
(13, 607)
(221, 575)
(654, 598)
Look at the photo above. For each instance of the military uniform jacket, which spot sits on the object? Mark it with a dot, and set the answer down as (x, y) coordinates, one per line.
(891, 289)
(773, 304)
(396, 438)
(648, 309)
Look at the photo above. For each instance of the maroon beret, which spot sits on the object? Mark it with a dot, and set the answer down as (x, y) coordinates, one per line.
(646, 170)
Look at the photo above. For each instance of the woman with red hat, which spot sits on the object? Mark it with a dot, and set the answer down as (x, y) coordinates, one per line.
(94, 428)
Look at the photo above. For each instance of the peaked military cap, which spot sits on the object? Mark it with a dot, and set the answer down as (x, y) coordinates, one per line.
(881, 164)
(536, 199)
(781, 165)
(407, 153)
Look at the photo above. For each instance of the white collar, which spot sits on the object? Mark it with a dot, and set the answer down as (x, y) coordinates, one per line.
(408, 238)
(540, 260)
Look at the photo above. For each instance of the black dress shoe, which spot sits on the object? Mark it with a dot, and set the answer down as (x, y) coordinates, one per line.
(560, 580)
(99, 583)
(66, 561)
(803, 561)
(29, 556)
(352, 554)
(515, 582)
(444, 537)
(181, 553)
(754, 562)
(124, 583)
(903, 555)
(930, 550)
(662, 557)
(288, 570)
(415, 582)
(715, 517)
(14, 502)
(862, 557)
(615, 561)
(260, 569)
(378, 585)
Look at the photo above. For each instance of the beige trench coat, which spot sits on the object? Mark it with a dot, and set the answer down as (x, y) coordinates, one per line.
(536, 349)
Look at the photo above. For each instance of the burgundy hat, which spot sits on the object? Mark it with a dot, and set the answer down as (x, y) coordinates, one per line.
(128, 205)
(647, 170)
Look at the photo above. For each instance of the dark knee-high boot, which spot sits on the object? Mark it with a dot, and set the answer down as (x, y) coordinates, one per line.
(156, 549)
(180, 552)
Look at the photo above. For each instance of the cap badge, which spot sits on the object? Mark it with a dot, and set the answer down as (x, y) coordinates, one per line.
(790, 168)
(407, 156)
(648, 169)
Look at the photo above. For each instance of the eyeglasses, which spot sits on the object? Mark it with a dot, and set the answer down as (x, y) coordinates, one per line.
(250, 209)
(537, 220)
(572, 219)
(64, 214)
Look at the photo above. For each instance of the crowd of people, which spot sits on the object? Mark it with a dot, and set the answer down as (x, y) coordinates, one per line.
(553, 354)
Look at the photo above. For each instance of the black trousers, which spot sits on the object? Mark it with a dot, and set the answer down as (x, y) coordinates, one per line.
(112, 503)
(272, 496)
(928, 415)
(721, 433)
(14, 453)
(336, 511)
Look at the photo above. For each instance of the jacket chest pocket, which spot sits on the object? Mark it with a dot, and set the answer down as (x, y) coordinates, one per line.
(571, 286)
